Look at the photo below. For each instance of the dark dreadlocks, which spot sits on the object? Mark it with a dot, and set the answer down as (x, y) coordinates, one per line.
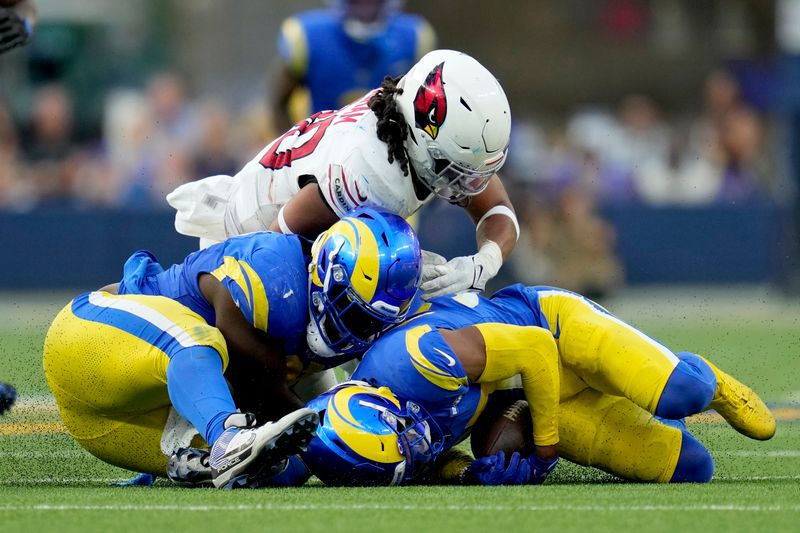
(392, 127)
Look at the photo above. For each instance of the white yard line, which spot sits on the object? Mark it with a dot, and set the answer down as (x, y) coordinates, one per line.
(55, 454)
(406, 507)
(769, 454)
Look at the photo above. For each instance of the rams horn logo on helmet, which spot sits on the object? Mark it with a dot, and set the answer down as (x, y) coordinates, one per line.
(430, 106)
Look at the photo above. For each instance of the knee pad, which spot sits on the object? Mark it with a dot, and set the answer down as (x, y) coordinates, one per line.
(695, 464)
(689, 390)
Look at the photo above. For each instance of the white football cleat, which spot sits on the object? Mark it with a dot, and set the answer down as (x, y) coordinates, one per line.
(242, 453)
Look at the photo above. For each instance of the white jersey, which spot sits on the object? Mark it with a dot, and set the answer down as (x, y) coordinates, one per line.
(339, 149)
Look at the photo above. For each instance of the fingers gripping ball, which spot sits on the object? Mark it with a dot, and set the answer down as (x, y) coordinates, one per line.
(504, 426)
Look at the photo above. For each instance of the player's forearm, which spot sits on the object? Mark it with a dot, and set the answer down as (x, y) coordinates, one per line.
(532, 353)
(495, 218)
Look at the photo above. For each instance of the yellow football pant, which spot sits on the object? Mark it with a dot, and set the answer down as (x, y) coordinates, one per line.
(604, 353)
(111, 385)
(615, 435)
(612, 377)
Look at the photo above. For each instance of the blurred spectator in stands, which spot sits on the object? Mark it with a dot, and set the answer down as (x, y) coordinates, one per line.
(722, 160)
(50, 149)
(599, 162)
(565, 243)
(152, 141)
(15, 192)
(645, 136)
(175, 119)
(213, 154)
(330, 57)
(50, 135)
(146, 162)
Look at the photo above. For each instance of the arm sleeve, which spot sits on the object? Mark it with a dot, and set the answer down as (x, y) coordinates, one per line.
(531, 352)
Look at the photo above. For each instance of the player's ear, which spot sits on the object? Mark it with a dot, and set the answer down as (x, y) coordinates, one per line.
(468, 346)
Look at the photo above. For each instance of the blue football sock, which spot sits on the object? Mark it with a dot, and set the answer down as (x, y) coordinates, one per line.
(198, 390)
(695, 464)
(689, 390)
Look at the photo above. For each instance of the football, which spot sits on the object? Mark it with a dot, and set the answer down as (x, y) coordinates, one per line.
(503, 426)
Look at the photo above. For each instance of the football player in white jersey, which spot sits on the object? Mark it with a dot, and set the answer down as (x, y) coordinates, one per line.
(440, 130)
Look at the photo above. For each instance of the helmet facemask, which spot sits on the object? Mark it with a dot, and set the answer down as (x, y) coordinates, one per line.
(414, 440)
(345, 322)
(450, 180)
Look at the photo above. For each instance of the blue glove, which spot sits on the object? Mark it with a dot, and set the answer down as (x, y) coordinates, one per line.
(140, 480)
(492, 470)
(8, 395)
(540, 468)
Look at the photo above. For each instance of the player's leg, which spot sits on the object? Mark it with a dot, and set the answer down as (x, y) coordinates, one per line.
(619, 437)
(162, 354)
(614, 357)
(108, 392)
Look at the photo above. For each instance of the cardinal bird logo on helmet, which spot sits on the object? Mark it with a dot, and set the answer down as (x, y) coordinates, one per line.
(430, 105)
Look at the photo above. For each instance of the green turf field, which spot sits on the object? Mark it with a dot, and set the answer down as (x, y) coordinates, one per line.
(48, 483)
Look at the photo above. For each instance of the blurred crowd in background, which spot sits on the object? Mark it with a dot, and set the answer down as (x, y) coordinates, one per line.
(156, 132)
(156, 138)
(152, 141)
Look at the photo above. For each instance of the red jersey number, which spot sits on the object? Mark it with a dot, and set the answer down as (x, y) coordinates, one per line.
(316, 123)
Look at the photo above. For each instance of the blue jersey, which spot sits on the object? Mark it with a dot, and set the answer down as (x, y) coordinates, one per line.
(415, 362)
(337, 69)
(265, 273)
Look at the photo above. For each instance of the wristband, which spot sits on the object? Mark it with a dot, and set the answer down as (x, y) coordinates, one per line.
(499, 210)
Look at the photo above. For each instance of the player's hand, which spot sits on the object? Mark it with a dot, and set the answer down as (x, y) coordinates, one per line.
(540, 468)
(462, 273)
(492, 470)
(430, 260)
(14, 31)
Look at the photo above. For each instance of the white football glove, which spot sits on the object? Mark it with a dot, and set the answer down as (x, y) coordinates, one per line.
(430, 260)
(461, 273)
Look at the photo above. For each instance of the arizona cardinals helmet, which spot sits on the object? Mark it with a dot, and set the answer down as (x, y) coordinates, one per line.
(459, 123)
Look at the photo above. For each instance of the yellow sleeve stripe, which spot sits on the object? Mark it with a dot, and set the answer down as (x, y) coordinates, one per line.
(295, 37)
(230, 269)
(428, 370)
(486, 390)
(260, 301)
(242, 273)
(426, 40)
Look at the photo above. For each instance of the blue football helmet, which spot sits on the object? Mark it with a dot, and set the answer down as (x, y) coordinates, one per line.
(365, 437)
(364, 274)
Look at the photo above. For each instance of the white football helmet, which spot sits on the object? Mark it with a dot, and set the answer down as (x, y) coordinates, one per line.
(459, 123)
